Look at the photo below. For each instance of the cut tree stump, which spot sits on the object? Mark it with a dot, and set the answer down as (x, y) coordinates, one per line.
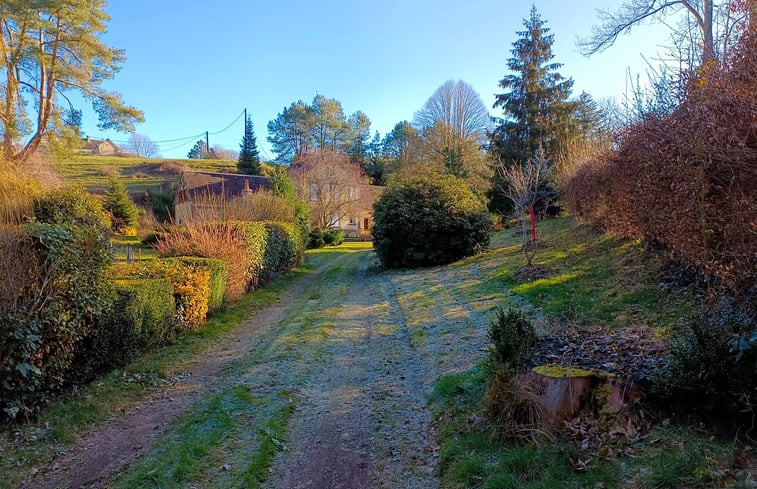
(564, 391)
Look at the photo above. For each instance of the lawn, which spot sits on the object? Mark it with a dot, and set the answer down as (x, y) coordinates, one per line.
(599, 281)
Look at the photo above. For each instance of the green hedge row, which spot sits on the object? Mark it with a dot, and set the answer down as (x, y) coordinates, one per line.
(67, 313)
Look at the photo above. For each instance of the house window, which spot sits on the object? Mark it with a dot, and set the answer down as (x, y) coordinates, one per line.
(335, 192)
(352, 220)
(365, 223)
(351, 191)
(313, 192)
(335, 220)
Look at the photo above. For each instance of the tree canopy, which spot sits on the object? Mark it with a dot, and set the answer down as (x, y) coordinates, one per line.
(49, 49)
(321, 125)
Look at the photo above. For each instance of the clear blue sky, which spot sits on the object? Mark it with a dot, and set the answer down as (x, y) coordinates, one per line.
(193, 66)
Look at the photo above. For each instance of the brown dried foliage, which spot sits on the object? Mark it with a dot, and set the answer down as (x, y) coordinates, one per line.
(516, 410)
(687, 181)
(221, 240)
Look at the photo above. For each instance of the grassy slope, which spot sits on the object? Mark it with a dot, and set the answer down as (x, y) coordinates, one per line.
(32, 445)
(138, 173)
(602, 281)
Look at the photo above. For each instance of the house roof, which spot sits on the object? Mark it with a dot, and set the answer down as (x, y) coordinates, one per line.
(230, 185)
(90, 143)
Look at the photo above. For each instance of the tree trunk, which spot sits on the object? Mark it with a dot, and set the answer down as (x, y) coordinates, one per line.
(708, 50)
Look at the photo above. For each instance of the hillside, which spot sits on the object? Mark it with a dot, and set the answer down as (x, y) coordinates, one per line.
(139, 174)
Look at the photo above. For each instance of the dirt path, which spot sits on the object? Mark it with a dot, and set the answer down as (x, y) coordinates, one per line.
(115, 444)
(349, 354)
(362, 422)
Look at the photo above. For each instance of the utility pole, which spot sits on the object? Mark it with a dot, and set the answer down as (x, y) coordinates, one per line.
(207, 143)
(245, 117)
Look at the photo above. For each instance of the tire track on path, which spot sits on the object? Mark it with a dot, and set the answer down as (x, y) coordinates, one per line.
(113, 445)
(362, 420)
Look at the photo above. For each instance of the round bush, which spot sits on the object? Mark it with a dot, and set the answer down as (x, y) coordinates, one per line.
(333, 237)
(429, 220)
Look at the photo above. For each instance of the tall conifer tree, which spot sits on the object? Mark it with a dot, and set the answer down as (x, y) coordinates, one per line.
(536, 108)
(249, 157)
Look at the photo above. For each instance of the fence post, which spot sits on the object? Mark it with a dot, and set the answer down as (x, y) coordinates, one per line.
(129, 253)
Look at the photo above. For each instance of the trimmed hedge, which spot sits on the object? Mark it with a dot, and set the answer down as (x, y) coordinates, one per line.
(284, 249)
(71, 206)
(218, 276)
(141, 317)
(191, 286)
(254, 238)
(52, 291)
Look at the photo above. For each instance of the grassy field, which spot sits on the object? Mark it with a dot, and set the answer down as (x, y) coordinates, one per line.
(600, 281)
(139, 174)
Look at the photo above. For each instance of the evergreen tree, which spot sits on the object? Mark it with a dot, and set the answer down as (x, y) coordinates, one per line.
(118, 203)
(200, 151)
(536, 108)
(249, 157)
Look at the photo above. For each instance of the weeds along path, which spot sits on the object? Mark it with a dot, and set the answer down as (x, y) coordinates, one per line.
(115, 444)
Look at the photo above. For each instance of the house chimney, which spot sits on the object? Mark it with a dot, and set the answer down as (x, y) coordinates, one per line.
(246, 190)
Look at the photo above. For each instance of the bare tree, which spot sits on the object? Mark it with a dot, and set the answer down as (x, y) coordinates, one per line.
(525, 187)
(457, 105)
(634, 12)
(143, 146)
(330, 183)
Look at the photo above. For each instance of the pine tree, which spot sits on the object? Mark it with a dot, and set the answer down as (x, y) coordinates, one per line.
(536, 108)
(249, 158)
(118, 203)
(198, 151)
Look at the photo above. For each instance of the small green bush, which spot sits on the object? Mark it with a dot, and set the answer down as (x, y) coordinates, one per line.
(217, 270)
(705, 372)
(333, 237)
(70, 206)
(142, 316)
(120, 206)
(429, 220)
(512, 336)
(316, 239)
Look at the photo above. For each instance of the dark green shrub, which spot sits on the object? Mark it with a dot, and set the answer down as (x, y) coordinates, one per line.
(118, 203)
(429, 220)
(706, 371)
(70, 206)
(283, 249)
(162, 204)
(512, 336)
(52, 292)
(333, 237)
(142, 317)
(254, 240)
(315, 239)
(151, 238)
(218, 276)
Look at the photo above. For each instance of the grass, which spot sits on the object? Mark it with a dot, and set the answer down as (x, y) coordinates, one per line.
(600, 280)
(139, 174)
(24, 447)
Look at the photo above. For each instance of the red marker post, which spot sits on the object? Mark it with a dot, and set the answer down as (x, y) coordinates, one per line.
(533, 222)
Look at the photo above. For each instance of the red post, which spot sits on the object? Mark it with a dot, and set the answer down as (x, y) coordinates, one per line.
(533, 222)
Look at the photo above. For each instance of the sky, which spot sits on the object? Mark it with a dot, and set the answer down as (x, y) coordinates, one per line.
(193, 66)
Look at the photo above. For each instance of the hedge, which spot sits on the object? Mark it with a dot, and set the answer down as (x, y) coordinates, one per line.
(52, 291)
(191, 286)
(254, 238)
(142, 317)
(284, 249)
(687, 180)
(218, 276)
